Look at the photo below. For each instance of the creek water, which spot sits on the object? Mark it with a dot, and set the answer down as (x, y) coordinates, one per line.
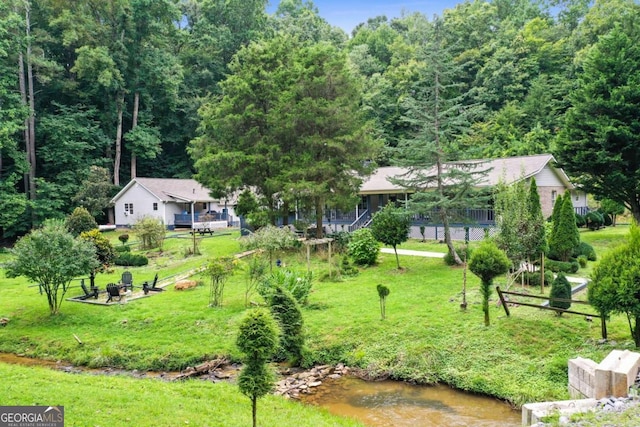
(398, 404)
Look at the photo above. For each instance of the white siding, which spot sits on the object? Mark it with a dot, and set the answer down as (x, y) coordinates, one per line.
(142, 202)
(547, 178)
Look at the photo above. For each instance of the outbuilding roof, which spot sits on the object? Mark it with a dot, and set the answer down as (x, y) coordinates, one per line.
(170, 189)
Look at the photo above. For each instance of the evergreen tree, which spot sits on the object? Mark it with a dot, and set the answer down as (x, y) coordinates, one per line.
(615, 283)
(566, 236)
(535, 241)
(286, 311)
(602, 132)
(560, 288)
(437, 114)
(258, 340)
(488, 262)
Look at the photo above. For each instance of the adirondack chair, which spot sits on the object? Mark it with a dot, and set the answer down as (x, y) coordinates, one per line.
(113, 290)
(93, 294)
(146, 287)
(127, 280)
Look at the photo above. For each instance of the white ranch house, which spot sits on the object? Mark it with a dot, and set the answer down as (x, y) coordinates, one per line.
(177, 202)
(181, 202)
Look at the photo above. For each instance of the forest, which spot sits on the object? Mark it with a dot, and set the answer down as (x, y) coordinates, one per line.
(95, 92)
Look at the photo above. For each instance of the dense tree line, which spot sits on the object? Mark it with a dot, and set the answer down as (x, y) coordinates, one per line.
(120, 88)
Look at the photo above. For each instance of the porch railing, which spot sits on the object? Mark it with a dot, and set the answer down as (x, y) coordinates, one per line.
(360, 221)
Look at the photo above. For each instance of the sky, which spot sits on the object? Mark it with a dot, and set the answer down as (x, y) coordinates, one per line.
(346, 14)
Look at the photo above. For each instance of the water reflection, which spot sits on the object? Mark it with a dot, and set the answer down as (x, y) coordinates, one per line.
(397, 404)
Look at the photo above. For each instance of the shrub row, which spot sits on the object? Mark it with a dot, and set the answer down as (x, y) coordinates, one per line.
(561, 266)
(131, 260)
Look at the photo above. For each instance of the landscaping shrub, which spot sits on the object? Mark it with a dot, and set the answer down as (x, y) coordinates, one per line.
(80, 220)
(594, 220)
(460, 250)
(580, 221)
(363, 247)
(341, 241)
(124, 238)
(608, 221)
(586, 250)
(562, 266)
(128, 259)
(582, 261)
(560, 288)
(299, 285)
(151, 232)
(122, 249)
(533, 277)
(346, 268)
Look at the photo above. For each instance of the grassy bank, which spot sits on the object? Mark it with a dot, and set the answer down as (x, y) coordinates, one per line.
(425, 338)
(121, 401)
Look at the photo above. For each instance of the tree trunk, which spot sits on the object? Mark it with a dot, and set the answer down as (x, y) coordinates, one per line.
(32, 115)
(636, 331)
(635, 210)
(23, 97)
(254, 410)
(136, 103)
(397, 258)
(319, 212)
(116, 160)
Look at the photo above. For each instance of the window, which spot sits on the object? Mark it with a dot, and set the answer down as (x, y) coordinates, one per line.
(128, 208)
(155, 206)
(554, 196)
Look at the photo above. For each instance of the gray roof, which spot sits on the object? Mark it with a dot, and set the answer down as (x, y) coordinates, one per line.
(508, 169)
(171, 189)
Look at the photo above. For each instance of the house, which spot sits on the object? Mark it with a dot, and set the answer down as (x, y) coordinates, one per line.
(377, 191)
(177, 202)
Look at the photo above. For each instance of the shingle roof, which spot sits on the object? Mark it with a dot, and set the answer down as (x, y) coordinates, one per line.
(508, 169)
(172, 189)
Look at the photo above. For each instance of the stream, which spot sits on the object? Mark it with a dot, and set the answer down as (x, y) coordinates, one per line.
(399, 404)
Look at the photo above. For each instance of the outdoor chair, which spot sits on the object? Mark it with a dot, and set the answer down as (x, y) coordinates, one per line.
(93, 294)
(113, 290)
(127, 280)
(146, 287)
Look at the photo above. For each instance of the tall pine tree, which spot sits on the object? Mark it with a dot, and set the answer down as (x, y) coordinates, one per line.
(438, 114)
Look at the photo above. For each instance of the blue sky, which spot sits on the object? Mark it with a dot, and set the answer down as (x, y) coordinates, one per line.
(349, 13)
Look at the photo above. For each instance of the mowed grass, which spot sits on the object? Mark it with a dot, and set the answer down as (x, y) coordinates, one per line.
(426, 337)
(120, 401)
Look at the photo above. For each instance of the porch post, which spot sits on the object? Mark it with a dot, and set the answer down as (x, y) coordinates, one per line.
(193, 213)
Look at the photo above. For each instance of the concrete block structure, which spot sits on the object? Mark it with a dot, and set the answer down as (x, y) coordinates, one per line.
(611, 377)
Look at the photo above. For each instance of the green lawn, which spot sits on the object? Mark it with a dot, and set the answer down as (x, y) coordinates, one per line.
(425, 338)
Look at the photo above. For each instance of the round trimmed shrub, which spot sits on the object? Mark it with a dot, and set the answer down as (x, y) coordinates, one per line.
(363, 247)
(580, 221)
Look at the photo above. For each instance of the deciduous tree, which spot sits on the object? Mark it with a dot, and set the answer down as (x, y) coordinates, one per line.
(391, 226)
(51, 257)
